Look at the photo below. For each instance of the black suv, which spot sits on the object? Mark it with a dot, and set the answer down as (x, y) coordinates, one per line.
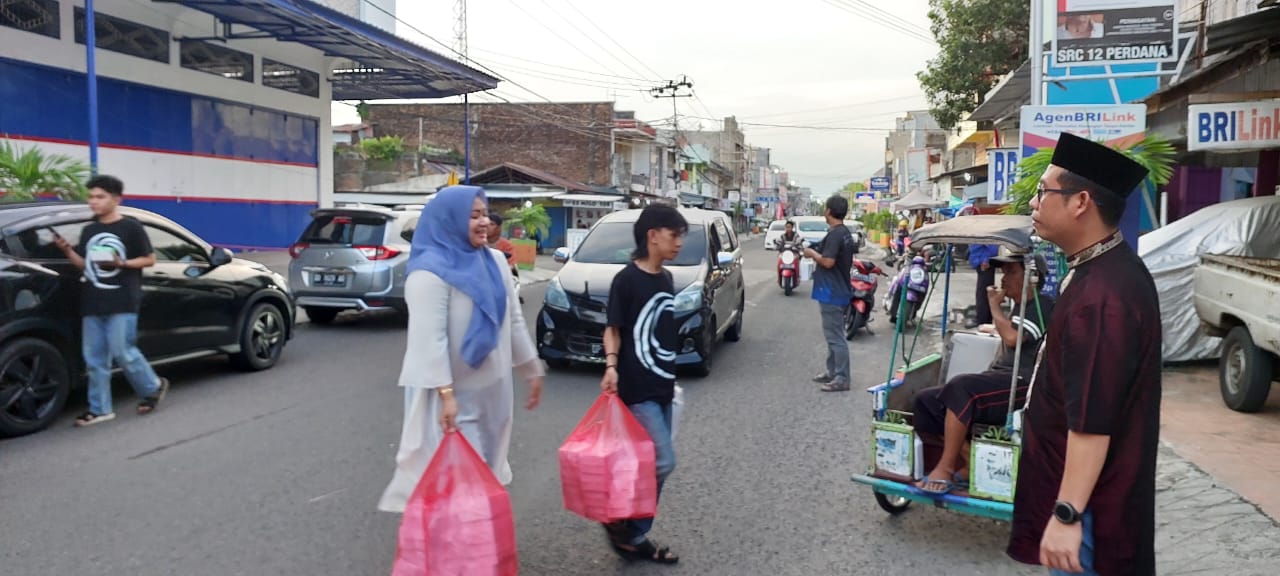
(197, 300)
(710, 291)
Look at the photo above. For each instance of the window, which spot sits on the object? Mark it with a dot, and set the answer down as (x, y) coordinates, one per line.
(727, 241)
(217, 60)
(289, 78)
(170, 247)
(37, 243)
(125, 37)
(36, 16)
(813, 226)
(613, 242)
(344, 229)
(777, 225)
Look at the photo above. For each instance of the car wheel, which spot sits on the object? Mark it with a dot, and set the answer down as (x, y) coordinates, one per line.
(703, 369)
(34, 385)
(321, 315)
(1244, 372)
(262, 339)
(734, 333)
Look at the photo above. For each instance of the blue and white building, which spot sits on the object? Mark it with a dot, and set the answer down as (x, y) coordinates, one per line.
(215, 113)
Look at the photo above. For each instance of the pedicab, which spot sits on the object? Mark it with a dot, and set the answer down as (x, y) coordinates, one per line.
(900, 457)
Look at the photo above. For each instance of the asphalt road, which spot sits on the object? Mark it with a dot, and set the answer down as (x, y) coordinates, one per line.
(279, 472)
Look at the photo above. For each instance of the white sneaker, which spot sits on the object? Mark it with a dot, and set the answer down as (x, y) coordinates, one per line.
(89, 419)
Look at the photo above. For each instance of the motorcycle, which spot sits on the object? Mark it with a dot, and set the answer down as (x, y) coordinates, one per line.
(864, 281)
(898, 252)
(915, 280)
(789, 265)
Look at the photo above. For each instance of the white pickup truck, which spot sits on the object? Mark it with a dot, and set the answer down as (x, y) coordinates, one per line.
(1238, 298)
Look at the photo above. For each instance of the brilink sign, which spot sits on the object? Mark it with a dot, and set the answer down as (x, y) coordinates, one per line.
(1234, 126)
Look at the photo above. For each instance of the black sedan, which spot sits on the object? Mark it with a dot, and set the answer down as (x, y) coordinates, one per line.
(710, 291)
(198, 300)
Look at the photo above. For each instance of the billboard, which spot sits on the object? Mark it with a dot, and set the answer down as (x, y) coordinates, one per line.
(1002, 172)
(1099, 32)
(917, 170)
(1118, 125)
(1234, 125)
(880, 184)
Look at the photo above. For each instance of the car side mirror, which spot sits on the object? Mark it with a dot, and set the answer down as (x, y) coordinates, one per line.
(220, 257)
(724, 259)
(561, 255)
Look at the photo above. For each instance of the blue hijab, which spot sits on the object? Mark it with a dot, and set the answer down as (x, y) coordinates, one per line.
(442, 246)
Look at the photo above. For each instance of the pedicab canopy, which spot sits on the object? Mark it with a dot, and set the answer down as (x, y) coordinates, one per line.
(1012, 232)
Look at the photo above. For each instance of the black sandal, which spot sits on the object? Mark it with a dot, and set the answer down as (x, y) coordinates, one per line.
(649, 552)
(148, 404)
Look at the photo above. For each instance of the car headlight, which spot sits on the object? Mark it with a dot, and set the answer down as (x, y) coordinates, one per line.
(556, 298)
(688, 300)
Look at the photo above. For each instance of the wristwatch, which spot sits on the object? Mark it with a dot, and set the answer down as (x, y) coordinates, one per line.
(1065, 512)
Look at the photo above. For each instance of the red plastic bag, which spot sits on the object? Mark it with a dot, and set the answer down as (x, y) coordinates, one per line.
(607, 469)
(458, 521)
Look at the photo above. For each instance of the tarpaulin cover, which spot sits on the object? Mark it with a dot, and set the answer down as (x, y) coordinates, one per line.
(917, 199)
(458, 521)
(607, 467)
(1249, 227)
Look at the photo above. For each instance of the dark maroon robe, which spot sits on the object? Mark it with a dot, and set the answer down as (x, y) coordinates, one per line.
(1099, 374)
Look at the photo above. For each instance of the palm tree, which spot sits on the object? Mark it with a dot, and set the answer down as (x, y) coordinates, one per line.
(26, 174)
(1152, 152)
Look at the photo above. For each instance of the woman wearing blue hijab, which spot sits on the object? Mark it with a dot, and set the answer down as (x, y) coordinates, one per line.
(466, 336)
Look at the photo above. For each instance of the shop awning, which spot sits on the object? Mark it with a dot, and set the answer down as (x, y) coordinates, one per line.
(386, 66)
(590, 198)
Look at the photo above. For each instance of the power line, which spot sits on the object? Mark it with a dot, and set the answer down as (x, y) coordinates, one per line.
(557, 35)
(611, 39)
(592, 39)
(888, 24)
(571, 69)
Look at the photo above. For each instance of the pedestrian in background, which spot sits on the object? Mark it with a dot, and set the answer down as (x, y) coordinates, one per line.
(640, 343)
(980, 256)
(1086, 493)
(466, 335)
(112, 252)
(833, 292)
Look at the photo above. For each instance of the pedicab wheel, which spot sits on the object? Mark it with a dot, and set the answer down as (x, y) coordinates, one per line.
(892, 504)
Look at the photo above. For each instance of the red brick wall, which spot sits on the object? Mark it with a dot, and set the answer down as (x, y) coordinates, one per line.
(569, 140)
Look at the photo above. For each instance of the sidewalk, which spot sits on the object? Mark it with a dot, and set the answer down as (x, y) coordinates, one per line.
(1217, 474)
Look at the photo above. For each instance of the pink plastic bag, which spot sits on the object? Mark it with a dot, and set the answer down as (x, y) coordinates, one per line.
(458, 521)
(607, 469)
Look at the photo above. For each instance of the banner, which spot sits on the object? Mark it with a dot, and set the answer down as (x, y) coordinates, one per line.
(1115, 124)
(1002, 172)
(1234, 126)
(880, 184)
(1100, 32)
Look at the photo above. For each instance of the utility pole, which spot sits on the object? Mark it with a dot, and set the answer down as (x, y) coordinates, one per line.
(460, 36)
(672, 90)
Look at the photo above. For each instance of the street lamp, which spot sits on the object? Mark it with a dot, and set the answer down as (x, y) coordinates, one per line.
(528, 203)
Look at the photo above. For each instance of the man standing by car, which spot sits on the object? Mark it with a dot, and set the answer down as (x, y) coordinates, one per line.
(112, 252)
(832, 291)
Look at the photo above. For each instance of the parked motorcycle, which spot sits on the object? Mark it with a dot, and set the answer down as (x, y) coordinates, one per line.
(789, 265)
(898, 253)
(915, 280)
(864, 281)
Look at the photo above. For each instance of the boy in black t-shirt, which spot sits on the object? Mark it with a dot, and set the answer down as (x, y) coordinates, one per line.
(640, 345)
(112, 252)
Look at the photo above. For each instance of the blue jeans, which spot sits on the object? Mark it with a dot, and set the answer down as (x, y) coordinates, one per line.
(1086, 548)
(107, 338)
(656, 419)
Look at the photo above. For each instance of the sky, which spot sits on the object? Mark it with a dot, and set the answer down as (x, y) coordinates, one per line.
(835, 64)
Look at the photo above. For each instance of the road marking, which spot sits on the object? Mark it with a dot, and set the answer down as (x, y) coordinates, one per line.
(326, 496)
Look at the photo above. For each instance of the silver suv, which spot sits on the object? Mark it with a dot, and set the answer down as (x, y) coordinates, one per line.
(352, 258)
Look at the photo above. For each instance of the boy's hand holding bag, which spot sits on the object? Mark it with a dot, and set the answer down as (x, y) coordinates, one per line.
(607, 468)
(458, 521)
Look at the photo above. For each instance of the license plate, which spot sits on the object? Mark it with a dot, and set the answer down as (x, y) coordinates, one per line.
(328, 279)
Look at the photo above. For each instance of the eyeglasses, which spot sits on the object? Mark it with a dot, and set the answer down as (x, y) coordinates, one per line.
(1041, 189)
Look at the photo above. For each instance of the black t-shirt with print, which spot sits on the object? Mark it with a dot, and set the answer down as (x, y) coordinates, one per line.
(640, 306)
(106, 290)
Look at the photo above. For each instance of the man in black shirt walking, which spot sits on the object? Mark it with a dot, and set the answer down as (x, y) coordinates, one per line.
(112, 252)
(832, 290)
(640, 343)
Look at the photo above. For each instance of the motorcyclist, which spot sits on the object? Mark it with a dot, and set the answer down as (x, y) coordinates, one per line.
(900, 242)
(789, 237)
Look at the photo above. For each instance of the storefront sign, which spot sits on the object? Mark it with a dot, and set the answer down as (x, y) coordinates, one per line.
(577, 203)
(1112, 124)
(1100, 32)
(1234, 126)
(880, 184)
(619, 206)
(864, 197)
(1002, 172)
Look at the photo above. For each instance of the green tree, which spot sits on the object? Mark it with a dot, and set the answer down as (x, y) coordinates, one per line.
(530, 218)
(26, 174)
(979, 41)
(854, 187)
(385, 148)
(1152, 152)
